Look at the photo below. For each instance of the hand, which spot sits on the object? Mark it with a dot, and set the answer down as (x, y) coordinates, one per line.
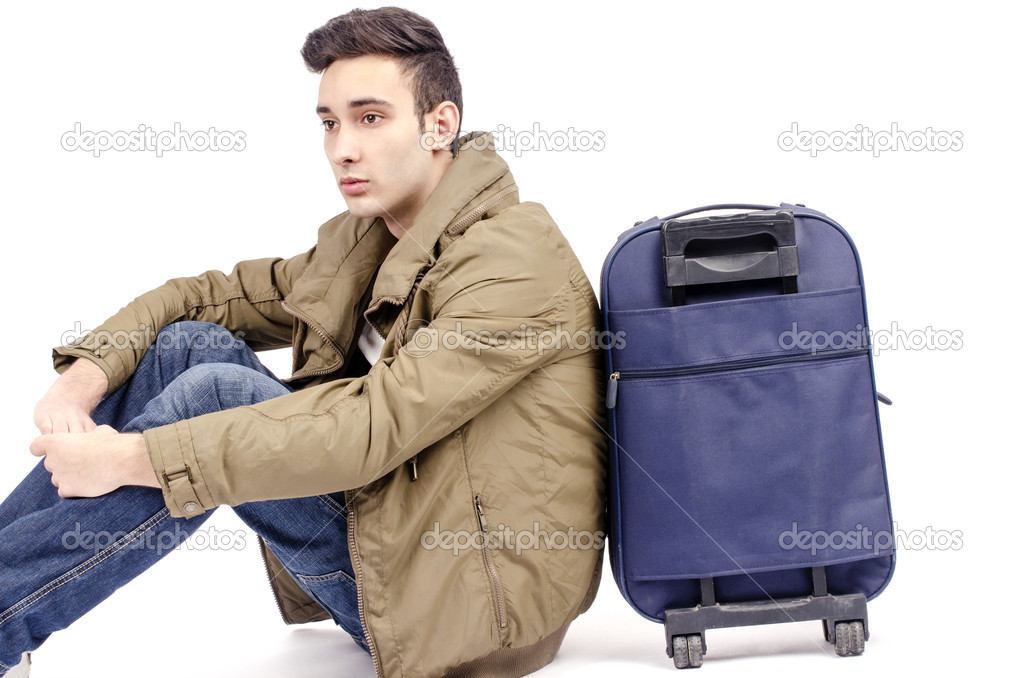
(94, 463)
(68, 404)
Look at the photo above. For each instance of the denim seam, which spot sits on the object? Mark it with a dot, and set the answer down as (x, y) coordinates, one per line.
(81, 569)
(333, 505)
(323, 578)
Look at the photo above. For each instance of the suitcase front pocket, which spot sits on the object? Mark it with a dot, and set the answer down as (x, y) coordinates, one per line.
(748, 465)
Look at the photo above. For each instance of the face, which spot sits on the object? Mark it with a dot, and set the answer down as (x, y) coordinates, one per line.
(373, 141)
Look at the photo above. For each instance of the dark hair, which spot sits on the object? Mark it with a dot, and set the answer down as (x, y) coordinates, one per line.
(393, 32)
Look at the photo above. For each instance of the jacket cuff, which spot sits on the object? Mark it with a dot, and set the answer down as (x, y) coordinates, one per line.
(174, 460)
(110, 361)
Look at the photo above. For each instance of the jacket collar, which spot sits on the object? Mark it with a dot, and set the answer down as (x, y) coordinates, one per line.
(477, 180)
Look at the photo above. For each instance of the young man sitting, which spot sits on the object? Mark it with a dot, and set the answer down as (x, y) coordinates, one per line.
(431, 476)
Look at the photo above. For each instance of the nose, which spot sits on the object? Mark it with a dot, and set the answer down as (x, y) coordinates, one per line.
(341, 147)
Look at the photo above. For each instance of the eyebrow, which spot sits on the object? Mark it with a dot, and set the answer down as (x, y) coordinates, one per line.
(358, 103)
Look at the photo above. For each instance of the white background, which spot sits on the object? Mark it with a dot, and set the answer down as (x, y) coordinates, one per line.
(691, 102)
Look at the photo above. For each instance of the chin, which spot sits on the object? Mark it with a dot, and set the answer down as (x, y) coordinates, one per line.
(361, 207)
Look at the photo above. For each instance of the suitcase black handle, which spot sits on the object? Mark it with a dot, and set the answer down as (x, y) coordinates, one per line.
(729, 248)
(722, 206)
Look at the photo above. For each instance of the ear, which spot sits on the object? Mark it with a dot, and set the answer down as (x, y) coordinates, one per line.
(443, 121)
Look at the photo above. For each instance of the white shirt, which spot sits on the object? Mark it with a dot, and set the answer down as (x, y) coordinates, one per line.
(370, 343)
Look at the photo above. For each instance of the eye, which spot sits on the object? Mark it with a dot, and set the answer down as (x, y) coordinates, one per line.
(328, 124)
(371, 118)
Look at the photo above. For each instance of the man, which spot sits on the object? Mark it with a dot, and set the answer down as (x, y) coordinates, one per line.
(446, 390)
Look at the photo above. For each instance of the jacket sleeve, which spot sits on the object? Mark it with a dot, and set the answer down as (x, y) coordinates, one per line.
(346, 433)
(247, 300)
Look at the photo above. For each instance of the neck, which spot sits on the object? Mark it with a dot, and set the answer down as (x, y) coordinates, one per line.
(398, 227)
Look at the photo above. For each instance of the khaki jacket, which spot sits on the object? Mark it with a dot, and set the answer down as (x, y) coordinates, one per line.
(483, 416)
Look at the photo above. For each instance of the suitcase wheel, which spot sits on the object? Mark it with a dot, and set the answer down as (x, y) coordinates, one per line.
(687, 651)
(849, 638)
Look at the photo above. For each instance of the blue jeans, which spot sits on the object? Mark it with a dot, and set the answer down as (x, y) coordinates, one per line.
(59, 558)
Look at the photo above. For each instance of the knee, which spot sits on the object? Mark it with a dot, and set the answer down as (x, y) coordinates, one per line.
(217, 386)
(186, 335)
(211, 378)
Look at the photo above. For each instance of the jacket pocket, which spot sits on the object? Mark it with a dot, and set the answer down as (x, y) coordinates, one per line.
(492, 571)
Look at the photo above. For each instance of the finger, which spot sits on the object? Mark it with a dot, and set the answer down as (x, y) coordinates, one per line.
(40, 423)
(105, 429)
(45, 425)
(77, 425)
(38, 446)
(83, 424)
(57, 424)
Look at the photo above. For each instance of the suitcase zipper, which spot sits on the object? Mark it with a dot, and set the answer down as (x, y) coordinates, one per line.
(611, 395)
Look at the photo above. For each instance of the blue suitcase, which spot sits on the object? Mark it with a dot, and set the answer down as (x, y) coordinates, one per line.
(746, 478)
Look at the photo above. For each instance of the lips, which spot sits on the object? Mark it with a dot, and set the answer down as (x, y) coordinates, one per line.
(352, 185)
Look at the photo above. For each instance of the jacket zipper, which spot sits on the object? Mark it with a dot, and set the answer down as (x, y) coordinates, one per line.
(413, 472)
(357, 566)
(391, 300)
(492, 572)
(270, 579)
(480, 209)
(322, 335)
(611, 395)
